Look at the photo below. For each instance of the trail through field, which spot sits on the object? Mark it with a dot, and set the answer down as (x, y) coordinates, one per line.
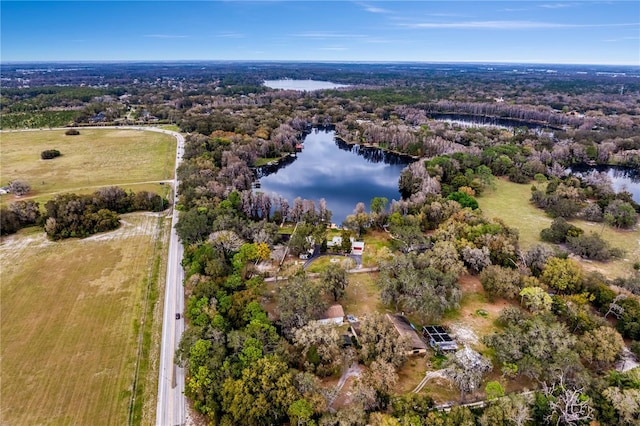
(353, 370)
(428, 376)
(80, 188)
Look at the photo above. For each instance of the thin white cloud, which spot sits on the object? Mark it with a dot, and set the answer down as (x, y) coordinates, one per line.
(324, 35)
(556, 5)
(164, 36)
(335, 49)
(509, 25)
(373, 9)
(230, 35)
(446, 15)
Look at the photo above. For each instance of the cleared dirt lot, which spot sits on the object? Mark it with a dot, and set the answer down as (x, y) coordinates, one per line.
(70, 313)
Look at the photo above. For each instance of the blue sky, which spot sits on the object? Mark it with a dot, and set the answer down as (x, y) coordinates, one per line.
(592, 32)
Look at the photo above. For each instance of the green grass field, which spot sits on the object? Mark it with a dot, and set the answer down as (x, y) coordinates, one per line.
(510, 202)
(70, 320)
(93, 159)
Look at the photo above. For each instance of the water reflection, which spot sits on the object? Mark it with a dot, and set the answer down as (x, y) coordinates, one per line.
(623, 178)
(465, 120)
(302, 85)
(341, 174)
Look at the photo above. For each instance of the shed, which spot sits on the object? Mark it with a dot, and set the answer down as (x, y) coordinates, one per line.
(333, 315)
(438, 338)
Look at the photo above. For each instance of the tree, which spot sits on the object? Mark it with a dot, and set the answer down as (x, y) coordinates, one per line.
(535, 299)
(626, 402)
(620, 214)
(357, 222)
(193, 226)
(476, 259)
(19, 187)
(379, 340)
(466, 369)
(516, 409)
(536, 257)
(409, 283)
(500, 282)
(300, 413)
(299, 301)
(444, 257)
(379, 204)
(592, 246)
(600, 347)
(372, 388)
(534, 346)
(559, 230)
(464, 199)
(49, 154)
(494, 390)
(27, 212)
(320, 345)
(262, 395)
(563, 275)
(335, 280)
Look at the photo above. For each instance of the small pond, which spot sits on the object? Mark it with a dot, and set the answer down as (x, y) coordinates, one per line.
(342, 174)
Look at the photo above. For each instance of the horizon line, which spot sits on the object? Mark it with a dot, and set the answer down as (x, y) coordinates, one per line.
(307, 61)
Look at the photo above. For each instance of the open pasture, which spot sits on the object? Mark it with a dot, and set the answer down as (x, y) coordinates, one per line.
(90, 160)
(70, 320)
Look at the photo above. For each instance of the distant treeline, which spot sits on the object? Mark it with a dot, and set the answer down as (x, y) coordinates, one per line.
(73, 215)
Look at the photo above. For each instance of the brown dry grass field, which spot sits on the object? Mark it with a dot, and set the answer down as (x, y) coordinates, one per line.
(70, 315)
(95, 158)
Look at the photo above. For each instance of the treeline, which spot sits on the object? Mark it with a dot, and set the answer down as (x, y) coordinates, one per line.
(591, 198)
(72, 215)
(539, 114)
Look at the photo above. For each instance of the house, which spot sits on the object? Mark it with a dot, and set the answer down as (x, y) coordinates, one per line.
(335, 242)
(333, 315)
(439, 339)
(405, 328)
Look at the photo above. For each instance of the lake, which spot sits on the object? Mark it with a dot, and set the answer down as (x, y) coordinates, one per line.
(342, 174)
(623, 177)
(466, 120)
(302, 85)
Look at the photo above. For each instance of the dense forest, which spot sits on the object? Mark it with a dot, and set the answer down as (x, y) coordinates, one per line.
(556, 343)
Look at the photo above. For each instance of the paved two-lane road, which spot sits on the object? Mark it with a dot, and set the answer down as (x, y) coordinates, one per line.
(171, 407)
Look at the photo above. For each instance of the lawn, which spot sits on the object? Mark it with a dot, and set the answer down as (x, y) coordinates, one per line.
(71, 315)
(362, 295)
(510, 202)
(90, 160)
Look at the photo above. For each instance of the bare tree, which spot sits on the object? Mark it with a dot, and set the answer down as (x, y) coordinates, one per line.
(568, 406)
(614, 308)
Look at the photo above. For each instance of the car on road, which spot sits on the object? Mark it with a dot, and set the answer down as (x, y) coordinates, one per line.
(352, 319)
(178, 315)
